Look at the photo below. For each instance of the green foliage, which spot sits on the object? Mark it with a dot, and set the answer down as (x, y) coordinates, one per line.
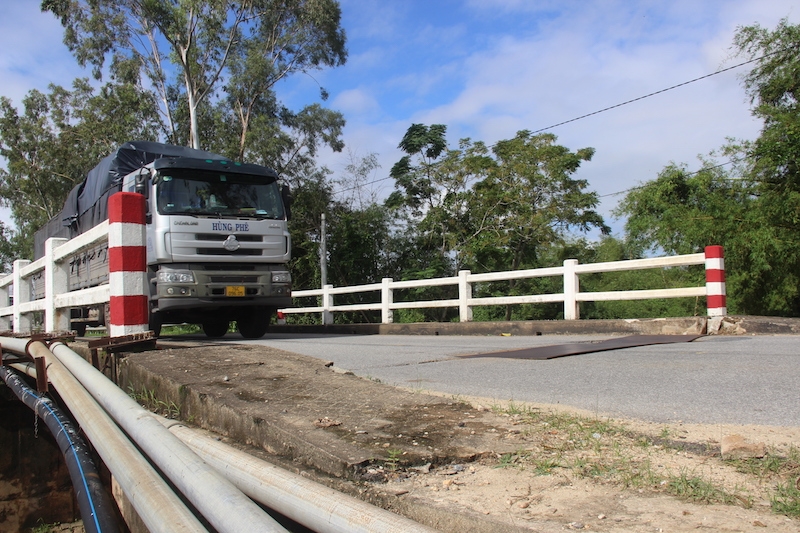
(54, 141)
(526, 204)
(786, 500)
(467, 208)
(752, 209)
(696, 489)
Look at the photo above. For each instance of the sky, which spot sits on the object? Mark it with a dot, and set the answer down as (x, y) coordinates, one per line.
(489, 68)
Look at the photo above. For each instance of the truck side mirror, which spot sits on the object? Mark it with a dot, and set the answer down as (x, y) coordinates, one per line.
(140, 187)
(286, 196)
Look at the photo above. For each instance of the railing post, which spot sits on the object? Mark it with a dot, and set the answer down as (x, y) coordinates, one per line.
(327, 303)
(716, 300)
(127, 265)
(5, 301)
(56, 282)
(571, 288)
(22, 294)
(387, 298)
(464, 296)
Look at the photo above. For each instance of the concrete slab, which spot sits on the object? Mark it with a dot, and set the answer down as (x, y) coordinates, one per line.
(297, 407)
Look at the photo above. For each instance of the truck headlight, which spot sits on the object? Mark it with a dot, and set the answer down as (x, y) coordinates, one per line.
(281, 277)
(175, 276)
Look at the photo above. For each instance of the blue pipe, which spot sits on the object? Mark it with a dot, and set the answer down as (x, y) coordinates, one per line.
(97, 510)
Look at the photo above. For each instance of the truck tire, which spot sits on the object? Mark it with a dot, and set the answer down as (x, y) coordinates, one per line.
(80, 328)
(254, 325)
(215, 329)
(155, 325)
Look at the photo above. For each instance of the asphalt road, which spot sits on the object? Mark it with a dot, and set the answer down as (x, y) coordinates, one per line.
(725, 379)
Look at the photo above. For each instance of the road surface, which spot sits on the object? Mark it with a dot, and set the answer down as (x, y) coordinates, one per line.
(715, 379)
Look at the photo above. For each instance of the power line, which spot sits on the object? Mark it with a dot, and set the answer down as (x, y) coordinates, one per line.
(688, 174)
(650, 94)
(609, 108)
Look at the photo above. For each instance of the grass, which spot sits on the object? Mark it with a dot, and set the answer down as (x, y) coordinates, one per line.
(783, 471)
(148, 399)
(185, 329)
(41, 527)
(696, 489)
(786, 499)
(393, 462)
(603, 451)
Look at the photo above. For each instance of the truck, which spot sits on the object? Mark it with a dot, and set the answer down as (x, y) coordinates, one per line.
(218, 242)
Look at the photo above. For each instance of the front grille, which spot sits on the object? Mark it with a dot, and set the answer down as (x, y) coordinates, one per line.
(225, 266)
(222, 236)
(233, 279)
(222, 251)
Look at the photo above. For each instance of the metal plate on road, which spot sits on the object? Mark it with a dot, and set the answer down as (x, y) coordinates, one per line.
(234, 290)
(563, 350)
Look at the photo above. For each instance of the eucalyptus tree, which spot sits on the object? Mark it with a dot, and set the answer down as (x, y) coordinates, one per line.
(190, 51)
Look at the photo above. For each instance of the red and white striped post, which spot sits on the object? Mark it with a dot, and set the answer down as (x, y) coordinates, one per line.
(127, 265)
(715, 281)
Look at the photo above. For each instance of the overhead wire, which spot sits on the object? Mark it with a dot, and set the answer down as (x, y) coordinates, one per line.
(615, 106)
(687, 174)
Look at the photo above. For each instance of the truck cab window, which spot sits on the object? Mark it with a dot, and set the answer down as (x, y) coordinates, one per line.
(216, 194)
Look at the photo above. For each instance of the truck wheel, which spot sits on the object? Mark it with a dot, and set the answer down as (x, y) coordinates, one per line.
(215, 330)
(155, 326)
(254, 326)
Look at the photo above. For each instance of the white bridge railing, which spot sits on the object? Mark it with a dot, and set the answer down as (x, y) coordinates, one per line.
(571, 296)
(53, 270)
(44, 285)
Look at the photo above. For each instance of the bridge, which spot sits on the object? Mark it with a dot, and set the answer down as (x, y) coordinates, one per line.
(350, 405)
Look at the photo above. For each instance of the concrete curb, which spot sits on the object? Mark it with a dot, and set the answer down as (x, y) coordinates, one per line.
(728, 325)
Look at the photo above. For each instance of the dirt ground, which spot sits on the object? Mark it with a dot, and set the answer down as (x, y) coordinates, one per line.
(575, 471)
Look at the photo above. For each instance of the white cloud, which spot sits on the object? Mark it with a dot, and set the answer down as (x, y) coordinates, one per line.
(356, 103)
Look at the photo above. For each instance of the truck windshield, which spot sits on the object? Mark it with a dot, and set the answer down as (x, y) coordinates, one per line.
(192, 192)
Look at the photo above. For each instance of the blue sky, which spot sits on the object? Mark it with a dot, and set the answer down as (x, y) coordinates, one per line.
(488, 68)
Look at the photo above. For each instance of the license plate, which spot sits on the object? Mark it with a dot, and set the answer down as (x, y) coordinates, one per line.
(234, 290)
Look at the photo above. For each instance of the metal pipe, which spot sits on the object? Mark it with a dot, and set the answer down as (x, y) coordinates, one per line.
(97, 509)
(26, 368)
(15, 345)
(156, 503)
(315, 506)
(221, 503)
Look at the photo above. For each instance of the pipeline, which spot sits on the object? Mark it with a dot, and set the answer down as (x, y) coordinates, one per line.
(96, 508)
(310, 504)
(216, 498)
(159, 508)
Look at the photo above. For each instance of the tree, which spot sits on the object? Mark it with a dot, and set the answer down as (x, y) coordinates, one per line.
(469, 208)
(753, 209)
(49, 147)
(241, 48)
(433, 186)
(530, 200)
(774, 89)
(682, 212)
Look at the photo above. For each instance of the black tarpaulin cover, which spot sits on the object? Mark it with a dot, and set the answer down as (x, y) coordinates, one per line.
(87, 204)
